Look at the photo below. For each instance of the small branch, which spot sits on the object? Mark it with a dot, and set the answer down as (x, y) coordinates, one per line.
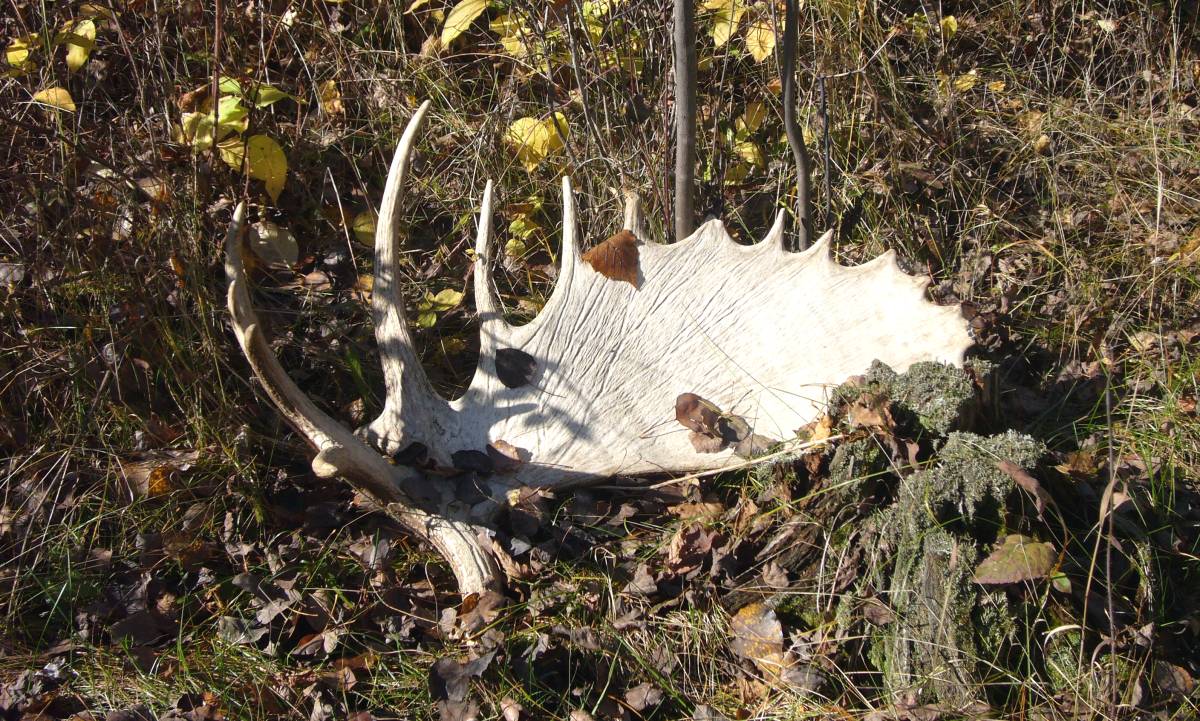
(791, 22)
(685, 116)
(826, 154)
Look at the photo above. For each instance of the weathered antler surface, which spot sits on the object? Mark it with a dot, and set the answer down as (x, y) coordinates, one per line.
(760, 332)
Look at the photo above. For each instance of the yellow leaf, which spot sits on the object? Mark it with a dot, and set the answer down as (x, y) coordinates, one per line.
(415, 5)
(727, 15)
(1107, 25)
(56, 98)
(18, 50)
(534, 139)
(997, 86)
(752, 117)
(363, 226)
(751, 153)
(460, 18)
(963, 83)
(949, 26)
(80, 42)
(265, 161)
(331, 98)
(760, 39)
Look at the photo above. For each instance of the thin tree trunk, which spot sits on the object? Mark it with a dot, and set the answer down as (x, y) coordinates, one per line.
(787, 64)
(685, 116)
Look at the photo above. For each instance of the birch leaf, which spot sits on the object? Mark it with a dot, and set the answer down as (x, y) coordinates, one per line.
(331, 98)
(56, 98)
(760, 39)
(17, 53)
(460, 18)
(727, 15)
(534, 139)
(80, 42)
(265, 161)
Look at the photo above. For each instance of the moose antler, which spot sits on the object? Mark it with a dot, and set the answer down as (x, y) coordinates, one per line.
(608, 379)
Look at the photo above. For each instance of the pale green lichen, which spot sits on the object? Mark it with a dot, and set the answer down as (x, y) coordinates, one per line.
(948, 634)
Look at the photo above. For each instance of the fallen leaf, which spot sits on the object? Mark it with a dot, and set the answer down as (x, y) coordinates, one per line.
(1029, 484)
(80, 41)
(272, 244)
(56, 98)
(330, 98)
(727, 15)
(616, 258)
(1019, 558)
(758, 637)
(18, 51)
(949, 26)
(760, 39)
(514, 367)
(449, 680)
(460, 18)
(643, 696)
(506, 457)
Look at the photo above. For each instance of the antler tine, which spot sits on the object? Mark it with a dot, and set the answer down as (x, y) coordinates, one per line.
(340, 452)
(570, 239)
(404, 380)
(491, 314)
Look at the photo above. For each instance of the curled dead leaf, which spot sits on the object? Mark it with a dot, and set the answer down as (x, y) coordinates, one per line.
(616, 258)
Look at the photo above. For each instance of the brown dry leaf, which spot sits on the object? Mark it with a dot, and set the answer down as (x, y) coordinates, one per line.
(1029, 484)
(157, 474)
(1019, 558)
(758, 637)
(506, 457)
(616, 258)
(696, 511)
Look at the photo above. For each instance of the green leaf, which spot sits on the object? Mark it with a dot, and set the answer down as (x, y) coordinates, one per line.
(460, 18)
(267, 94)
(1019, 558)
(80, 42)
(229, 86)
(446, 299)
(751, 153)
(949, 26)
(265, 161)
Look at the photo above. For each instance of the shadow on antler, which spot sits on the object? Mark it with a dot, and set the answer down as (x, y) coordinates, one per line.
(755, 330)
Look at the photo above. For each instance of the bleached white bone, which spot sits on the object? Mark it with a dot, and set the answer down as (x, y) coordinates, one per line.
(761, 332)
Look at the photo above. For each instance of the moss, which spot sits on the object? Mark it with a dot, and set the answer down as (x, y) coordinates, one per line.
(855, 462)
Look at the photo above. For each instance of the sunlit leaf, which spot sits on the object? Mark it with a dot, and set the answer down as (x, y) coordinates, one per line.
(534, 139)
(760, 39)
(229, 86)
(949, 26)
(1019, 558)
(265, 161)
(726, 16)
(265, 95)
(18, 51)
(966, 81)
(415, 5)
(80, 42)
(751, 119)
(330, 98)
(56, 98)
(460, 18)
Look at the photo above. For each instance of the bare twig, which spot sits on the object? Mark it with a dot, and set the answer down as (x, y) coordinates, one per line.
(685, 116)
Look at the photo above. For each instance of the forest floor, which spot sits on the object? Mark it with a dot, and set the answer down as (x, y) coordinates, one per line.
(166, 551)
